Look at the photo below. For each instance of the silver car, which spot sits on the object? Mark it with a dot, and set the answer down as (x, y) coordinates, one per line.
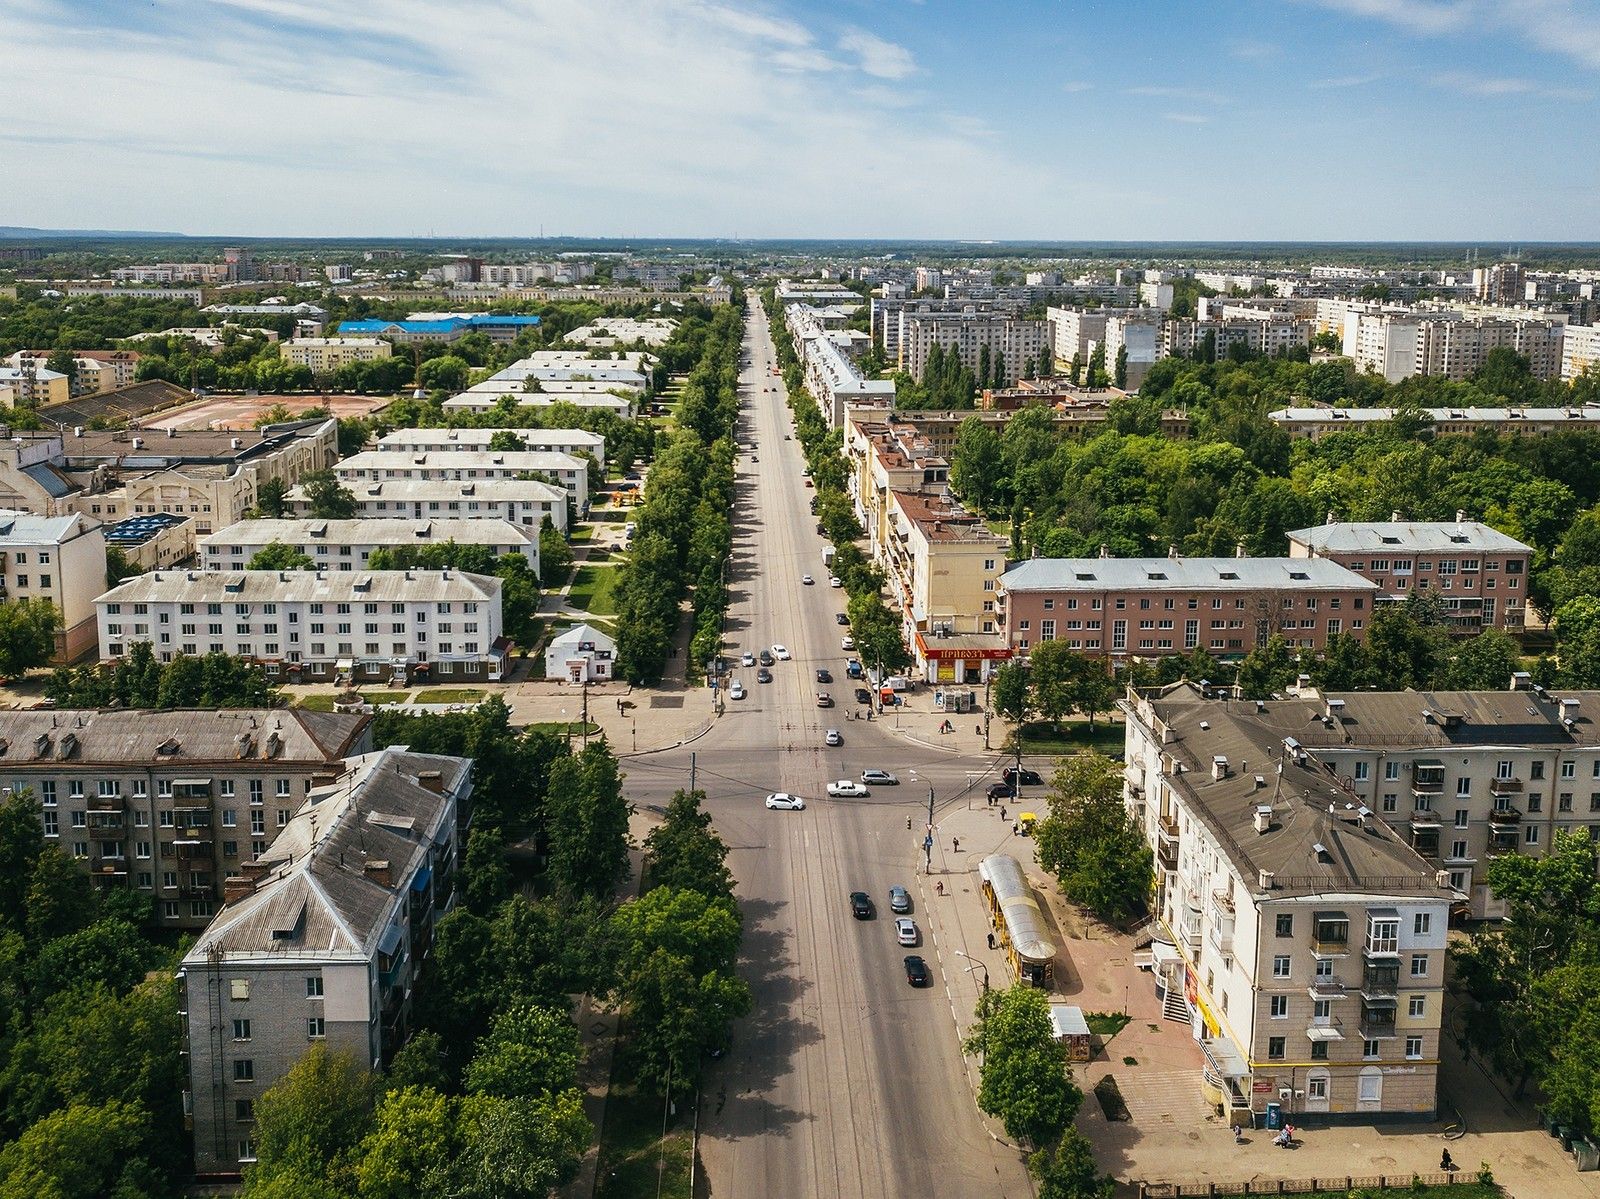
(905, 931)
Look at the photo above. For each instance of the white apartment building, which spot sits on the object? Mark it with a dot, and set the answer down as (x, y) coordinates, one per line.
(324, 355)
(1398, 345)
(1318, 421)
(382, 466)
(1300, 938)
(347, 544)
(1075, 332)
(580, 394)
(367, 626)
(1259, 331)
(57, 558)
(1580, 351)
(1018, 344)
(522, 502)
(1139, 334)
(623, 331)
(831, 376)
(1156, 295)
(575, 442)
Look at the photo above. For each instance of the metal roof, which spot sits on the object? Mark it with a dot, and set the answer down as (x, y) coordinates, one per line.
(1024, 921)
(1181, 574)
(1405, 535)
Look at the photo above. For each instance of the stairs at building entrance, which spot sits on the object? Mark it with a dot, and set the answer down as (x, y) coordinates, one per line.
(1174, 1006)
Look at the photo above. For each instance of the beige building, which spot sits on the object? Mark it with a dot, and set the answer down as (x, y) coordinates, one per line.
(1318, 420)
(155, 541)
(1401, 344)
(1300, 938)
(98, 371)
(169, 803)
(523, 502)
(348, 544)
(33, 386)
(58, 558)
(1017, 344)
(324, 355)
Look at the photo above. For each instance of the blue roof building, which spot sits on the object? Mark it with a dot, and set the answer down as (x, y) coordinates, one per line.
(497, 326)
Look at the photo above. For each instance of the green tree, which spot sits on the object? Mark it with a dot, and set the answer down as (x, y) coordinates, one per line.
(270, 499)
(21, 843)
(555, 555)
(517, 1148)
(413, 1139)
(312, 1121)
(119, 567)
(683, 851)
(28, 629)
(1069, 1172)
(419, 1064)
(1024, 1081)
(1268, 668)
(530, 1052)
(1091, 843)
(976, 464)
(1120, 379)
(587, 822)
(1483, 663)
(78, 1152)
(277, 555)
(445, 373)
(64, 362)
(507, 439)
(329, 498)
(58, 902)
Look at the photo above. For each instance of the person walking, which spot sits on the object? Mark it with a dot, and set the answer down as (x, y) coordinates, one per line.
(991, 946)
(955, 844)
(1002, 813)
(1446, 1162)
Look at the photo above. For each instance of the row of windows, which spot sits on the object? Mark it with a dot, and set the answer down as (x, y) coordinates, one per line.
(1278, 1005)
(270, 608)
(140, 789)
(1192, 603)
(1421, 924)
(1276, 1051)
(1283, 966)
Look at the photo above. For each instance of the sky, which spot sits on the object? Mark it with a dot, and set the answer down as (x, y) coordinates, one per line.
(1337, 120)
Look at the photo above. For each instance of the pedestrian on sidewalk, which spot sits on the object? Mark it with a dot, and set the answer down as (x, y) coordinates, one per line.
(955, 844)
(1447, 1163)
(991, 940)
(1002, 813)
(1238, 1135)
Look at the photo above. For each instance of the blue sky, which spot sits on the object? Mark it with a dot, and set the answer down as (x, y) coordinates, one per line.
(1054, 119)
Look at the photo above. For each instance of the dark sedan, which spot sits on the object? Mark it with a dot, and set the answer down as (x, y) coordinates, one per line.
(861, 905)
(763, 675)
(824, 676)
(917, 971)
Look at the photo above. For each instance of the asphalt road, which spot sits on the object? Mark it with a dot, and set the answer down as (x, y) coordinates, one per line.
(844, 1081)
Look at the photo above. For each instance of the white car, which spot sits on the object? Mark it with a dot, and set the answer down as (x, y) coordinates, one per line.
(836, 581)
(784, 802)
(905, 931)
(780, 653)
(847, 789)
(748, 659)
(806, 580)
(847, 643)
(736, 691)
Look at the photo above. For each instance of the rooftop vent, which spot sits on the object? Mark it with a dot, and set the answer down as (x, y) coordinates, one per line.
(1219, 767)
(1263, 819)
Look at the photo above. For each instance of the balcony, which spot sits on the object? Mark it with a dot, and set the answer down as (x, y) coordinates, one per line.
(1380, 981)
(1424, 818)
(1505, 787)
(1502, 844)
(1329, 1029)
(1427, 778)
(196, 892)
(1168, 829)
(189, 850)
(1167, 855)
(110, 866)
(1426, 843)
(1507, 818)
(107, 803)
(101, 823)
(1377, 1026)
(1327, 988)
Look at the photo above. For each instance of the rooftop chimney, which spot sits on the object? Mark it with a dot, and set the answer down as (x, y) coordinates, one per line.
(1395, 517)
(237, 887)
(377, 869)
(1219, 767)
(1521, 680)
(1461, 516)
(1330, 520)
(1263, 820)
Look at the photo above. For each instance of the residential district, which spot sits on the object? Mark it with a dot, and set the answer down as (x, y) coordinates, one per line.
(814, 724)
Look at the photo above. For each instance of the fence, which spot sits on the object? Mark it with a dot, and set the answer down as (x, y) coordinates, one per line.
(1343, 1183)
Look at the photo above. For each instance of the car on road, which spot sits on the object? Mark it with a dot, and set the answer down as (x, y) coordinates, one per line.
(863, 696)
(861, 905)
(1023, 777)
(905, 931)
(824, 675)
(806, 580)
(748, 659)
(824, 700)
(847, 643)
(736, 691)
(766, 657)
(847, 789)
(1000, 791)
(836, 581)
(809, 483)
(840, 618)
(917, 971)
(782, 801)
(780, 653)
(763, 675)
(833, 737)
(852, 667)
(899, 899)
(881, 778)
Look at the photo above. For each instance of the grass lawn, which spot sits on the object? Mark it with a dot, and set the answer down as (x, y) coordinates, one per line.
(594, 590)
(315, 703)
(324, 703)
(582, 533)
(636, 1161)
(449, 695)
(1041, 737)
(1106, 1024)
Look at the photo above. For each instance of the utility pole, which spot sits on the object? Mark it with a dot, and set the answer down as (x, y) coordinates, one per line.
(691, 771)
(927, 841)
(586, 708)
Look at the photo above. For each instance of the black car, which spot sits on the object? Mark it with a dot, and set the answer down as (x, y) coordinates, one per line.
(840, 618)
(766, 657)
(1024, 777)
(917, 971)
(824, 676)
(763, 675)
(1000, 791)
(861, 905)
(863, 696)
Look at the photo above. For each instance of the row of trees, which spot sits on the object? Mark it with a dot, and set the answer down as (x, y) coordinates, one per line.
(138, 680)
(683, 529)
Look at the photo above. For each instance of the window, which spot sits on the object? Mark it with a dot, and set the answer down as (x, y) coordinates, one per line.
(244, 1070)
(1536, 770)
(313, 986)
(316, 1028)
(1361, 772)
(241, 1030)
(1319, 1051)
(1391, 802)
(1530, 835)
(1280, 966)
(1391, 770)
(1569, 770)
(1419, 965)
(1324, 967)
(247, 1151)
(1461, 817)
(244, 1109)
(1317, 1088)
(1285, 925)
(1275, 1048)
(1280, 1007)
(1369, 1049)
(1413, 1046)
(1421, 923)
(1418, 1006)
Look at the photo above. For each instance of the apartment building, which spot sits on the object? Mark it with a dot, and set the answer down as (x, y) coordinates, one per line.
(441, 327)
(580, 393)
(623, 331)
(347, 544)
(523, 502)
(1138, 336)
(169, 803)
(34, 386)
(1464, 776)
(324, 355)
(576, 442)
(1580, 351)
(1481, 573)
(1401, 344)
(1301, 939)
(212, 476)
(1076, 332)
(1501, 283)
(97, 371)
(1017, 344)
(321, 940)
(1150, 607)
(347, 627)
(1259, 332)
(382, 466)
(57, 558)
(1319, 421)
(831, 375)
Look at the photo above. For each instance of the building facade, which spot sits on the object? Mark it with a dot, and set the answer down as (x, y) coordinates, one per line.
(348, 544)
(1580, 351)
(1018, 345)
(576, 442)
(321, 940)
(324, 355)
(1151, 607)
(1318, 421)
(57, 558)
(459, 466)
(350, 627)
(1301, 939)
(169, 803)
(524, 502)
(1481, 573)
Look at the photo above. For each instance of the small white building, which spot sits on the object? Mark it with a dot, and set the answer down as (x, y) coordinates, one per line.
(583, 654)
(523, 502)
(382, 466)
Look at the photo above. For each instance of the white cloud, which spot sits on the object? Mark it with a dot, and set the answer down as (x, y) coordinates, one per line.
(1186, 118)
(877, 57)
(1492, 87)
(1073, 86)
(1340, 81)
(1567, 28)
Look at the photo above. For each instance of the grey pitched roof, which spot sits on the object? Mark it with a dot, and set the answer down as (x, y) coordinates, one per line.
(1181, 574)
(56, 485)
(1440, 719)
(373, 531)
(1389, 536)
(348, 586)
(181, 736)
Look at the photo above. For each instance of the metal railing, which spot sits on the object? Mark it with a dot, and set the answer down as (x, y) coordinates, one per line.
(1304, 1186)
